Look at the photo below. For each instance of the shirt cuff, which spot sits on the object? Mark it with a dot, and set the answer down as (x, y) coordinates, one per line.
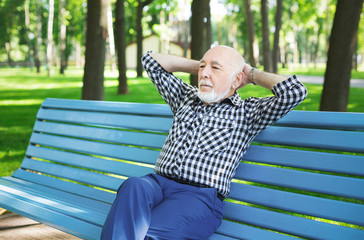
(150, 64)
(282, 87)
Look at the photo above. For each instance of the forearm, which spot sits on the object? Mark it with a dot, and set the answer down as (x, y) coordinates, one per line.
(172, 63)
(266, 79)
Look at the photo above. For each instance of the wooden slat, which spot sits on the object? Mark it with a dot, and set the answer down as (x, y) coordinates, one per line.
(240, 231)
(85, 209)
(307, 181)
(57, 195)
(96, 148)
(74, 174)
(100, 134)
(63, 222)
(217, 236)
(89, 162)
(69, 187)
(321, 161)
(308, 205)
(289, 224)
(324, 120)
(313, 138)
(106, 119)
(105, 106)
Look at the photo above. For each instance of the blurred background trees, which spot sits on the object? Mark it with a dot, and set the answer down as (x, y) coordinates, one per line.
(92, 34)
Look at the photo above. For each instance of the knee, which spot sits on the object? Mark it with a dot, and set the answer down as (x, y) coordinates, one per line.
(131, 183)
(137, 185)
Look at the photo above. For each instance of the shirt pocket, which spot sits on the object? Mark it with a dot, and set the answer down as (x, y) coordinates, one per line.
(215, 134)
(181, 123)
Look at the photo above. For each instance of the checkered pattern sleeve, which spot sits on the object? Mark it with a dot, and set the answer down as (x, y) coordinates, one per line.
(172, 89)
(266, 111)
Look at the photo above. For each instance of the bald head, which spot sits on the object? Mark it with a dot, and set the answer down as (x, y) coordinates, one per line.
(228, 56)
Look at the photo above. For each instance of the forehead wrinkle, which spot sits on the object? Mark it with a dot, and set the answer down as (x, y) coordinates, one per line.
(213, 62)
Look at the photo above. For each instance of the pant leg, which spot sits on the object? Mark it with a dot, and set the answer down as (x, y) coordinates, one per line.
(130, 214)
(186, 212)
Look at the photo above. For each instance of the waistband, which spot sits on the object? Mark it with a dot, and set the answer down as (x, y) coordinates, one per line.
(200, 185)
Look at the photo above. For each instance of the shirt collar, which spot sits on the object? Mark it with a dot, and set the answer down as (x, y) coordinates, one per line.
(234, 99)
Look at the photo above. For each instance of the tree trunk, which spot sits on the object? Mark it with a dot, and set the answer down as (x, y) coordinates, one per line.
(317, 44)
(278, 22)
(111, 38)
(39, 36)
(251, 33)
(267, 57)
(93, 78)
(200, 41)
(63, 62)
(29, 35)
(139, 29)
(121, 45)
(335, 94)
(50, 36)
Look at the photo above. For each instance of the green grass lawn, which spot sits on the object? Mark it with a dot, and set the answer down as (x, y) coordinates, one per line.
(22, 92)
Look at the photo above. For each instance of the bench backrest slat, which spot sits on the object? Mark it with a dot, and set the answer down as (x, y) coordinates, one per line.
(313, 138)
(109, 107)
(295, 225)
(307, 181)
(321, 161)
(160, 124)
(89, 162)
(299, 203)
(324, 120)
(102, 134)
(96, 148)
(77, 175)
(66, 186)
(234, 230)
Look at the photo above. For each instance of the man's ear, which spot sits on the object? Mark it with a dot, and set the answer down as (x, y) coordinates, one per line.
(238, 80)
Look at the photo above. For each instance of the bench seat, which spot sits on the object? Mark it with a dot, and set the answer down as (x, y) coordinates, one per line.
(302, 177)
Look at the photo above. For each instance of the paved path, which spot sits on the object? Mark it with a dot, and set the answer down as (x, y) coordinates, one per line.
(16, 227)
(359, 83)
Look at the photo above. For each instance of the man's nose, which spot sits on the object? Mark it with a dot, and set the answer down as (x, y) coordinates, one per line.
(206, 71)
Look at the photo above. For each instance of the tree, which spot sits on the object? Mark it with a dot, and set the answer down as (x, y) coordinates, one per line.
(141, 5)
(50, 36)
(93, 78)
(335, 94)
(278, 24)
(38, 36)
(200, 30)
(63, 62)
(267, 58)
(120, 42)
(251, 33)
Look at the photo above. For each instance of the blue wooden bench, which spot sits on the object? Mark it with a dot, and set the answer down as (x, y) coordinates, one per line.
(81, 151)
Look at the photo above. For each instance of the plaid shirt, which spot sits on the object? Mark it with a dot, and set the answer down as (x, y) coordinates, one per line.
(206, 143)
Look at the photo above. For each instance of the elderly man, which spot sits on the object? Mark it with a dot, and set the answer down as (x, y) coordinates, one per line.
(211, 131)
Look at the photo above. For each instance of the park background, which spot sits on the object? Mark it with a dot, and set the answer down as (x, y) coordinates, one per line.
(80, 49)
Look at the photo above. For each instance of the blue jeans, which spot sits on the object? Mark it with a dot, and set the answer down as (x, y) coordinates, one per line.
(154, 207)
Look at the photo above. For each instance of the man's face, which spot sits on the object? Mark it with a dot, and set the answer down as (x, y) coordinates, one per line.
(215, 76)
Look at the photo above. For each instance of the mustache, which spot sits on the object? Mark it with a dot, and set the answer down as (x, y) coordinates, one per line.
(204, 82)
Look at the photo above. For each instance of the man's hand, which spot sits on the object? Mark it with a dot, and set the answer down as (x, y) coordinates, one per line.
(172, 63)
(264, 79)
